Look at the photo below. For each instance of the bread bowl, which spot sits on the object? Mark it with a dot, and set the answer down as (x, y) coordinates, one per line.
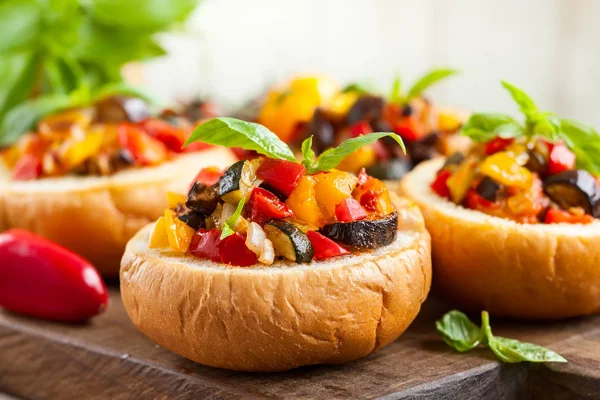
(530, 252)
(95, 215)
(311, 268)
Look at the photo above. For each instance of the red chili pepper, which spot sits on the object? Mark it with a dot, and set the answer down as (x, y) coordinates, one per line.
(230, 250)
(207, 176)
(440, 184)
(44, 280)
(27, 168)
(169, 135)
(556, 216)
(560, 158)
(497, 144)
(264, 205)
(360, 128)
(409, 129)
(474, 201)
(324, 247)
(145, 149)
(282, 175)
(349, 210)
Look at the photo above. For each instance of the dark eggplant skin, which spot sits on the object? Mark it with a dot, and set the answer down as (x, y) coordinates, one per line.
(230, 180)
(121, 108)
(322, 131)
(302, 244)
(203, 199)
(364, 234)
(574, 188)
(454, 159)
(488, 189)
(276, 192)
(424, 149)
(366, 108)
(392, 169)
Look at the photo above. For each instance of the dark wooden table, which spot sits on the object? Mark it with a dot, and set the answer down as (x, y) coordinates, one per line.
(109, 359)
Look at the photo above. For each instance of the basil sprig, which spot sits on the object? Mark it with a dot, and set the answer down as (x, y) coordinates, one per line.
(427, 80)
(231, 132)
(232, 220)
(582, 139)
(463, 335)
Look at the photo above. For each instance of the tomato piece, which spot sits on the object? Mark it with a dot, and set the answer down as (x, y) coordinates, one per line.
(360, 128)
(208, 176)
(264, 205)
(373, 195)
(324, 247)
(440, 184)
(560, 158)
(169, 135)
(205, 244)
(350, 210)
(474, 201)
(28, 167)
(497, 144)
(409, 129)
(282, 175)
(230, 250)
(145, 149)
(45, 280)
(556, 216)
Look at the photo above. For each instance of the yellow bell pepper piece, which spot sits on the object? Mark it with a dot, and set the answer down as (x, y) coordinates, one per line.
(460, 181)
(303, 203)
(448, 121)
(179, 234)
(363, 157)
(506, 170)
(73, 152)
(173, 199)
(331, 188)
(158, 236)
(341, 104)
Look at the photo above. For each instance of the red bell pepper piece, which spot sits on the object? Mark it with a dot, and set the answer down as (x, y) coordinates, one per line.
(474, 201)
(556, 216)
(169, 135)
(207, 176)
(230, 250)
(497, 144)
(409, 129)
(360, 128)
(27, 168)
(440, 184)
(264, 205)
(145, 149)
(560, 158)
(349, 210)
(282, 175)
(44, 280)
(324, 247)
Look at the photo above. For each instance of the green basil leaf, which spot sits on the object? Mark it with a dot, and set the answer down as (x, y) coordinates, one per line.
(584, 141)
(231, 221)
(514, 351)
(484, 127)
(331, 158)
(396, 94)
(19, 24)
(458, 331)
(427, 80)
(308, 155)
(526, 104)
(231, 132)
(19, 73)
(24, 116)
(360, 88)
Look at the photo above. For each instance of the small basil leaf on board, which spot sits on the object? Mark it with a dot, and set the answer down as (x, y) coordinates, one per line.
(24, 116)
(231, 132)
(308, 155)
(232, 220)
(514, 351)
(331, 158)
(428, 80)
(483, 127)
(458, 331)
(525, 103)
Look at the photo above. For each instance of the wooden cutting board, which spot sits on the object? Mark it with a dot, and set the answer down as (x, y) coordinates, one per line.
(109, 358)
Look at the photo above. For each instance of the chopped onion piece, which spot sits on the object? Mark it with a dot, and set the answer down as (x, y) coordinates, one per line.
(255, 238)
(268, 254)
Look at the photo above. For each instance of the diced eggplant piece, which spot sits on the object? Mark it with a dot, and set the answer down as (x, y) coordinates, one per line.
(391, 169)
(230, 181)
(322, 131)
(574, 188)
(407, 110)
(455, 159)
(366, 108)
(422, 150)
(536, 162)
(381, 125)
(289, 241)
(121, 108)
(488, 189)
(192, 219)
(392, 146)
(364, 234)
(203, 199)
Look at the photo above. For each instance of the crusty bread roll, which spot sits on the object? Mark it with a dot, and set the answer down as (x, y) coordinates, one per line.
(517, 270)
(96, 216)
(282, 316)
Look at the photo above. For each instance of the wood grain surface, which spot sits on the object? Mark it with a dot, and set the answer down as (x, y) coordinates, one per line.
(108, 358)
